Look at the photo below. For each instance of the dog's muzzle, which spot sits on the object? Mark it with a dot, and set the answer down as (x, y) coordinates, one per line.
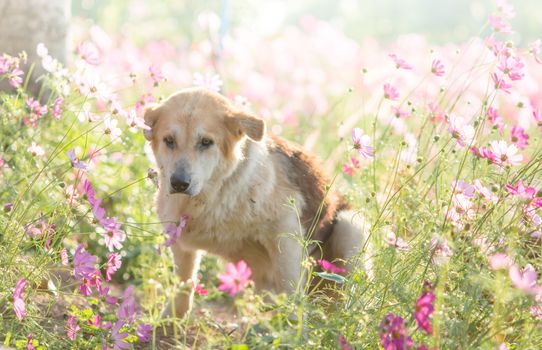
(179, 183)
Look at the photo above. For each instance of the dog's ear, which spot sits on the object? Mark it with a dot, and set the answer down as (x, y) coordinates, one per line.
(245, 123)
(150, 117)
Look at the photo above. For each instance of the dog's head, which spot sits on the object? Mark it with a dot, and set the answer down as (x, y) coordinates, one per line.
(197, 137)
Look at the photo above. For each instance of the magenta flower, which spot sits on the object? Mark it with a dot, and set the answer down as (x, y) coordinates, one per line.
(174, 232)
(392, 334)
(519, 137)
(19, 305)
(437, 68)
(119, 337)
(424, 309)
(198, 288)
(525, 279)
(484, 152)
(362, 143)
(236, 278)
(390, 92)
(499, 25)
(326, 265)
(113, 264)
(127, 309)
(499, 261)
(505, 154)
(501, 83)
(83, 263)
(399, 62)
(73, 328)
(15, 77)
(143, 332)
(30, 343)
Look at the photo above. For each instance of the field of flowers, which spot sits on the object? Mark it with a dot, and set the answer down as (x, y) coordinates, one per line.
(438, 147)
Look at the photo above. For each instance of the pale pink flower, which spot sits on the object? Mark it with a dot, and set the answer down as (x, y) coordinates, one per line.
(390, 92)
(89, 52)
(506, 9)
(512, 66)
(19, 305)
(328, 266)
(461, 131)
(499, 24)
(525, 279)
(73, 328)
(400, 113)
(535, 50)
(136, 122)
(397, 242)
(494, 119)
(399, 62)
(362, 143)
(114, 263)
(156, 74)
(57, 107)
(505, 154)
(437, 68)
(111, 129)
(537, 114)
(484, 192)
(174, 232)
(236, 278)
(441, 250)
(501, 83)
(114, 236)
(35, 150)
(519, 137)
(208, 81)
(64, 257)
(499, 261)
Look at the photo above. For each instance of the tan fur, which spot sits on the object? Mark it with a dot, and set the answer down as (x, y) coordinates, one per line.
(246, 194)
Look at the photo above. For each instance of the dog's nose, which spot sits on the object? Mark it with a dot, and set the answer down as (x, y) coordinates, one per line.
(179, 183)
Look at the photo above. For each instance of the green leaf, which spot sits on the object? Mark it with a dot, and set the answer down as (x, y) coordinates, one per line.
(331, 277)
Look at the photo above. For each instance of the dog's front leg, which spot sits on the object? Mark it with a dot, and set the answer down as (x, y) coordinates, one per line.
(186, 267)
(291, 276)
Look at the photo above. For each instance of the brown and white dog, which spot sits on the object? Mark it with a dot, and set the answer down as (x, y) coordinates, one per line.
(249, 196)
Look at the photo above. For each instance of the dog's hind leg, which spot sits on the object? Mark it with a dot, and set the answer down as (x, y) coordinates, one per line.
(348, 239)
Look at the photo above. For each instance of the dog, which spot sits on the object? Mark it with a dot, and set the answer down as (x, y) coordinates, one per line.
(248, 195)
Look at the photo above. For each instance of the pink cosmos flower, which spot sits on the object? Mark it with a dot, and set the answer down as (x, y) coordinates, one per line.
(400, 113)
(19, 305)
(505, 154)
(208, 81)
(111, 129)
(499, 261)
(424, 309)
(519, 137)
(83, 263)
(113, 236)
(501, 83)
(362, 143)
(499, 24)
(484, 152)
(512, 66)
(326, 265)
(394, 241)
(156, 74)
(143, 332)
(236, 278)
(506, 9)
(36, 110)
(399, 62)
(393, 334)
(30, 343)
(390, 92)
(461, 131)
(174, 232)
(119, 337)
(35, 150)
(437, 68)
(525, 279)
(494, 119)
(534, 49)
(127, 309)
(349, 169)
(57, 107)
(484, 192)
(15, 78)
(89, 52)
(73, 328)
(136, 122)
(114, 263)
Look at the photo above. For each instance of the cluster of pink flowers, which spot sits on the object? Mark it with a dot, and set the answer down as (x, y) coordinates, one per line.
(467, 200)
(9, 66)
(36, 111)
(531, 203)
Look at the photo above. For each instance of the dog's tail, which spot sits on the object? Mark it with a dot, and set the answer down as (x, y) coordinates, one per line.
(349, 245)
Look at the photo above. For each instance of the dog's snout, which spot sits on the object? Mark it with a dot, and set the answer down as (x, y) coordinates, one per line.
(180, 182)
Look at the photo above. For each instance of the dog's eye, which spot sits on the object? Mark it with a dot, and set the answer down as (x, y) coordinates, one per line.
(169, 141)
(205, 142)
